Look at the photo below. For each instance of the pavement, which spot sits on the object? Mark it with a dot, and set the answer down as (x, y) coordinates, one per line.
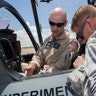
(27, 51)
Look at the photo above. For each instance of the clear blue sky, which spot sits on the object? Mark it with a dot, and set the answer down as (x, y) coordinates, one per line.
(43, 9)
(24, 8)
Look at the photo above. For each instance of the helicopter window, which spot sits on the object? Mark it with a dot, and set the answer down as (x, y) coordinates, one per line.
(22, 36)
(21, 48)
(20, 32)
(92, 2)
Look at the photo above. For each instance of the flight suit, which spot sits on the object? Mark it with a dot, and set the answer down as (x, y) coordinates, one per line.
(83, 79)
(55, 54)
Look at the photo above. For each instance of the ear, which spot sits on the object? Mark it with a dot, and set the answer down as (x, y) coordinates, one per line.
(90, 24)
(66, 22)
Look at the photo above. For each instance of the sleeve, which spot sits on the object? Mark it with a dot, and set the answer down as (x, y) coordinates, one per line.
(91, 52)
(90, 63)
(38, 58)
(83, 79)
(65, 59)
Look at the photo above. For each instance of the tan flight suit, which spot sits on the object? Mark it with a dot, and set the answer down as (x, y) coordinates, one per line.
(55, 55)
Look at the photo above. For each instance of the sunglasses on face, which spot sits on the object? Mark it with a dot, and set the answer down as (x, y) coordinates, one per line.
(56, 24)
(80, 32)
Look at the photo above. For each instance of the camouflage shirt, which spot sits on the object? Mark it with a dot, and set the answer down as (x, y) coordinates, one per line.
(83, 79)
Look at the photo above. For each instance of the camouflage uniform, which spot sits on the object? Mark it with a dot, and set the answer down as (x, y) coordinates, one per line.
(83, 79)
(55, 55)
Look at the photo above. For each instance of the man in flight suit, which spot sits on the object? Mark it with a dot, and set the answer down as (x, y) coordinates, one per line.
(57, 50)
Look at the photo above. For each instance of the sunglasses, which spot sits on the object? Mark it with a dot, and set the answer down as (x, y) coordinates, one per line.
(56, 24)
(80, 32)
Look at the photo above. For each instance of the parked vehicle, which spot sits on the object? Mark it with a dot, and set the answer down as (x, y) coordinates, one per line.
(11, 82)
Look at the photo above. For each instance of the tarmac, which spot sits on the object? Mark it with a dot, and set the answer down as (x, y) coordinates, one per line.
(27, 51)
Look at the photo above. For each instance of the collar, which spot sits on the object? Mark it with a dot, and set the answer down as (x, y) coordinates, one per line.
(63, 35)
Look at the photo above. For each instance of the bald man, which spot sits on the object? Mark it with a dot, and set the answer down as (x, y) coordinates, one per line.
(57, 50)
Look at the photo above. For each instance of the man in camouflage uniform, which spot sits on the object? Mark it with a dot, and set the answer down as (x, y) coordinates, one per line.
(57, 50)
(83, 79)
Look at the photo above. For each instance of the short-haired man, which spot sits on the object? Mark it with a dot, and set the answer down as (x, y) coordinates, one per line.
(83, 79)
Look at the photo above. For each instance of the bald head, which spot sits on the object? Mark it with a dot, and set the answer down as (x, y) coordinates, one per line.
(58, 13)
(57, 21)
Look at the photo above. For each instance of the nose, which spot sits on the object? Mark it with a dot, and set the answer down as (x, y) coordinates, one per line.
(55, 27)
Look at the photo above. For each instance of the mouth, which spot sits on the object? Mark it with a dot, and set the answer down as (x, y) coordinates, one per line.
(55, 32)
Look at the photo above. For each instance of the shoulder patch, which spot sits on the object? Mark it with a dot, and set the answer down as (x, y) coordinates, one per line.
(74, 45)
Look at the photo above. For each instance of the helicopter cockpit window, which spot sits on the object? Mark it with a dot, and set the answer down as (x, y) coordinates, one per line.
(20, 32)
(92, 2)
(14, 38)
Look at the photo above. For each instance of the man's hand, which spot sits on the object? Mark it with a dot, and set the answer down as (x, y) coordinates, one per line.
(79, 61)
(29, 70)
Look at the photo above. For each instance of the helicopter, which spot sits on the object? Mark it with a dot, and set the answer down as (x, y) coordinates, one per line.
(11, 82)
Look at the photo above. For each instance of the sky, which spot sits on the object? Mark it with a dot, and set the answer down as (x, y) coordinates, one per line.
(43, 9)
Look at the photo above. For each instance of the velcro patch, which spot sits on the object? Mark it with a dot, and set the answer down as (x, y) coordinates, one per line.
(56, 45)
(73, 46)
